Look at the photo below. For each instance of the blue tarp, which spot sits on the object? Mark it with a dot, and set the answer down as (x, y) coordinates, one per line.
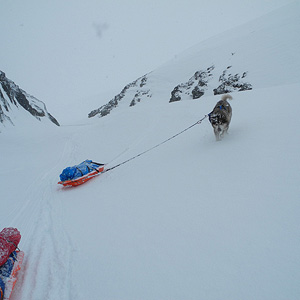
(74, 172)
(2, 288)
(6, 269)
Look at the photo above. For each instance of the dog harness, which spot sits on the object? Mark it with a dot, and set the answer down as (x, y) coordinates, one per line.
(222, 107)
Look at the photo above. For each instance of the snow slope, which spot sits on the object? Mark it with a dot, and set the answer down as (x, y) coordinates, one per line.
(191, 219)
(263, 52)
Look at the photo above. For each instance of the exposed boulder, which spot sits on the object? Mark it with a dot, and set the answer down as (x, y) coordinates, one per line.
(231, 83)
(195, 87)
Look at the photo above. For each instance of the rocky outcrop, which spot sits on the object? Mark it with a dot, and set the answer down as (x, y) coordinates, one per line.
(12, 95)
(231, 83)
(136, 88)
(203, 81)
(198, 84)
(138, 97)
(195, 87)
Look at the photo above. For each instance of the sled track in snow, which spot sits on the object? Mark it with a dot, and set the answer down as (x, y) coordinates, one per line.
(47, 267)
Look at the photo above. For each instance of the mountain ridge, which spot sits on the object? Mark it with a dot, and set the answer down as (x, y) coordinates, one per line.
(229, 62)
(12, 96)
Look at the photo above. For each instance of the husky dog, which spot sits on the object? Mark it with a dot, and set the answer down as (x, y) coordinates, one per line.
(220, 117)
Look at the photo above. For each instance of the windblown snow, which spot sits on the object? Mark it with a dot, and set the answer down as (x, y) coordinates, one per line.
(190, 219)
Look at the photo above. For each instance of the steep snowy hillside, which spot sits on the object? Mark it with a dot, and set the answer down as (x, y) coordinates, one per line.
(261, 53)
(192, 218)
(16, 106)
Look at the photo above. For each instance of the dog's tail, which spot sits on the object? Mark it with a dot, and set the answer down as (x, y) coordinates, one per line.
(226, 96)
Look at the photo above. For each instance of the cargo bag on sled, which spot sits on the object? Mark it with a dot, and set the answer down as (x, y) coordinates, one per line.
(76, 175)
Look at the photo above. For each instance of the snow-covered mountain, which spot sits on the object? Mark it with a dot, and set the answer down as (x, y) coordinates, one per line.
(261, 53)
(16, 104)
(192, 218)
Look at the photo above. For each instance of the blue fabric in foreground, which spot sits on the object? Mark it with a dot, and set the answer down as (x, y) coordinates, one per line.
(74, 172)
(2, 288)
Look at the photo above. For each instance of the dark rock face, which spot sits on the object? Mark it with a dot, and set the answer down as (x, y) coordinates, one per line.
(11, 94)
(202, 81)
(231, 83)
(136, 87)
(197, 85)
(194, 87)
(138, 97)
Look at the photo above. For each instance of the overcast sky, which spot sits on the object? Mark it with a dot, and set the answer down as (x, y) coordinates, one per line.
(64, 52)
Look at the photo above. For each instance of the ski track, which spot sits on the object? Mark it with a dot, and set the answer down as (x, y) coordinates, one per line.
(47, 267)
(48, 248)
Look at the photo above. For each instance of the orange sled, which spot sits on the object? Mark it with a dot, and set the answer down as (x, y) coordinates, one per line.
(12, 279)
(84, 178)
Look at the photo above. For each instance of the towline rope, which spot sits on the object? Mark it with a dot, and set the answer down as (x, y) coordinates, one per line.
(144, 152)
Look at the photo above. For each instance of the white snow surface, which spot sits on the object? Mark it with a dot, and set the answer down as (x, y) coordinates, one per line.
(190, 219)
